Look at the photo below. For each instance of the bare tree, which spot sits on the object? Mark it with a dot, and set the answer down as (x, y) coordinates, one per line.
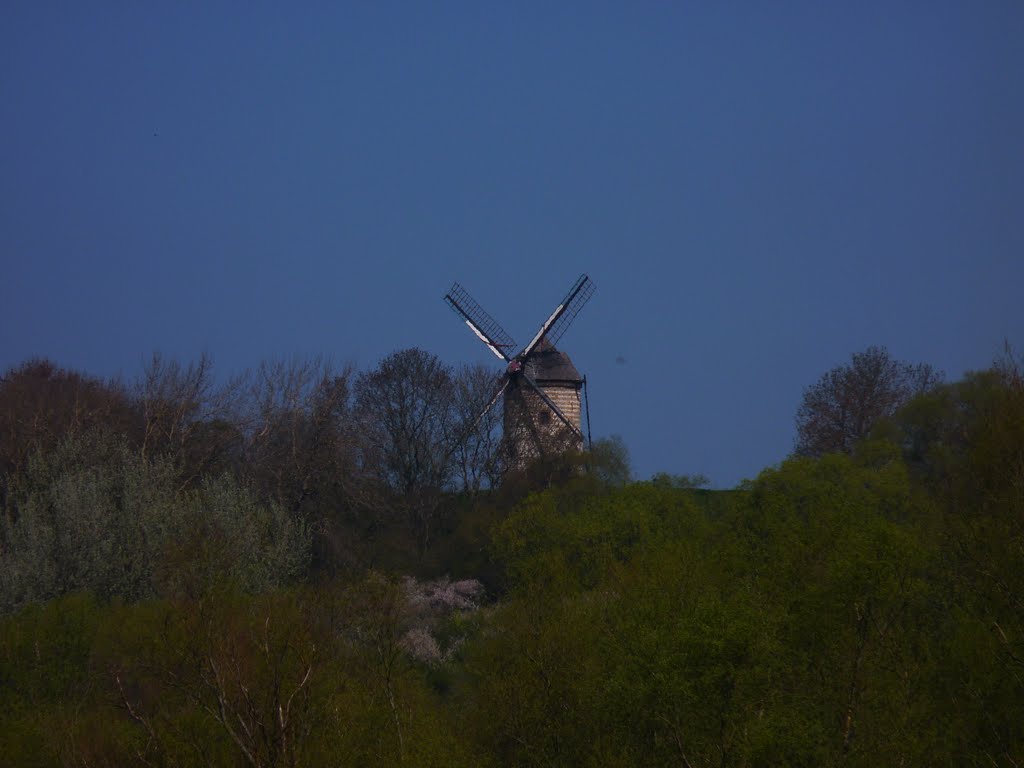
(477, 454)
(408, 426)
(298, 433)
(40, 404)
(188, 416)
(405, 409)
(843, 406)
(249, 667)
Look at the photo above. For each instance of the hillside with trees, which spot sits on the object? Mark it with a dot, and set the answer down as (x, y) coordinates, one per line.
(305, 565)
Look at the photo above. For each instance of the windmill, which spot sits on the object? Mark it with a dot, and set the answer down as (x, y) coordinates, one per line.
(541, 386)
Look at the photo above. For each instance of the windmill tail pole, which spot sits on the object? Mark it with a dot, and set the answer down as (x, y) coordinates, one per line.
(586, 403)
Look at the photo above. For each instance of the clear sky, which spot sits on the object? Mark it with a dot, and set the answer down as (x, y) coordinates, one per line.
(758, 190)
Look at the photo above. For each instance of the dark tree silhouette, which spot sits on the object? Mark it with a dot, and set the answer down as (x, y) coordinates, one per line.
(843, 406)
(297, 421)
(41, 403)
(405, 408)
(406, 412)
(477, 455)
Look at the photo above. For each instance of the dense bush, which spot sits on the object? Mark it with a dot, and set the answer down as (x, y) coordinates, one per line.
(94, 516)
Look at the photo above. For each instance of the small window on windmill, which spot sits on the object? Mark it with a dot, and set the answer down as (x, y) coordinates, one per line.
(545, 417)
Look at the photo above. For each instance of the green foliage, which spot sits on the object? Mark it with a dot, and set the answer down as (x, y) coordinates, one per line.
(838, 552)
(571, 535)
(94, 515)
(45, 677)
(665, 480)
(861, 608)
(805, 621)
(229, 535)
(608, 461)
(89, 515)
(305, 676)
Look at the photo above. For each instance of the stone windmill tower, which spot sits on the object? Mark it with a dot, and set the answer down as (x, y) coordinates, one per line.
(541, 386)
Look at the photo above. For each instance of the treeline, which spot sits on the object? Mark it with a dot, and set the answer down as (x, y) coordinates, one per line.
(294, 463)
(212, 590)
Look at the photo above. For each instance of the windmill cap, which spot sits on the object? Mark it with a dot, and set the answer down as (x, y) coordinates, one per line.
(548, 365)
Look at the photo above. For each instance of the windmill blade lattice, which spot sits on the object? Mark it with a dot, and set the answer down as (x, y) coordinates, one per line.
(481, 323)
(539, 381)
(574, 301)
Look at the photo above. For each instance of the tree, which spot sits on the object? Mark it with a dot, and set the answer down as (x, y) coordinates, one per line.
(94, 515)
(843, 406)
(405, 407)
(188, 416)
(297, 424)
(41, 403)
(477, 453)
(964, 444)
(841, 553)
(409, 428)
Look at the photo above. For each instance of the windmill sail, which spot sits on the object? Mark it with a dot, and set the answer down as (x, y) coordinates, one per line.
(571, 305)
(539, 382)
(482, 324)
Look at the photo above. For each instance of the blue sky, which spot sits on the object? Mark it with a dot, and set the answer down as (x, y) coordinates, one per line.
(758, 191)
